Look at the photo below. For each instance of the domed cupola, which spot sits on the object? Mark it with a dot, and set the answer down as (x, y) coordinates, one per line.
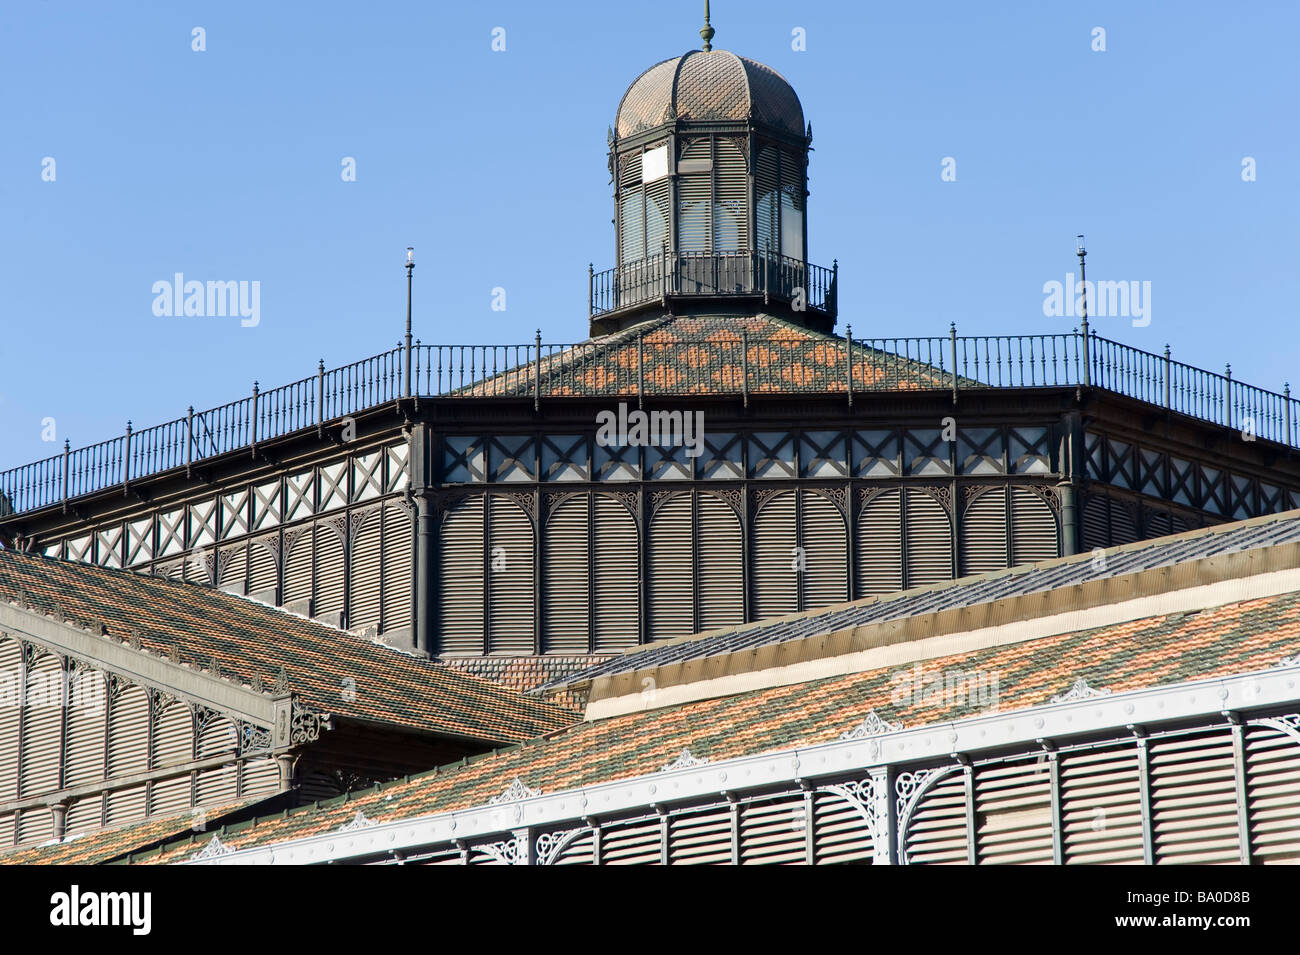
(709, 156)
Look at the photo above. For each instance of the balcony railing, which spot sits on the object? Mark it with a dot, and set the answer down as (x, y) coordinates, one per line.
(636, 364)
(713, 275)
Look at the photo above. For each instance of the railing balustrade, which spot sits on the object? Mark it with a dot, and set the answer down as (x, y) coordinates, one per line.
(638, 365)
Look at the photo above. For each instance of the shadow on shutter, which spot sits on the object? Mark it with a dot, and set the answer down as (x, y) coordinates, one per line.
(1194, 799)
(331, 575)
(984, 532)
(879, 549)
(565, 581)
(1013, 813)
(671, 591)
(460, 578)
(721, 561)
(635, 842)
(220, 784)
(510, 601)
(128, 751)
(775, 580)
(615, 565)
(173, 743)
(1101, 810)
(824, 539)
(929, 540)
(1033, 527)
(700, 836)
(773, 831)
(840, 834)
(936, 831)
(1273, 795)
(365, 572)
(42, 743)
(87, 717)
(399, 567)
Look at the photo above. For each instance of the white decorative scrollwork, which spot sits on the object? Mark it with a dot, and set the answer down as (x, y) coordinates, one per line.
(1292, 661)
(359, 821)
(550, 844)
(684, 760)
(509, 852)
(873, 725)
(307, 724)
(514, 792)
(910, 787)
(1079, 690)
(870, 798)
(214, 848)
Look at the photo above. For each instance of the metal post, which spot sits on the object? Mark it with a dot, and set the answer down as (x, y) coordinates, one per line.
(1227, 393)
(254, 429)
(320, 398)
(189, 441)
(834, 304)
(848, 362)
(410, 268)
(1166, 376)
(1286, 399)
(640, 370)
(1083, 280)
(591, 287)
(68, 451)
(126, 459)
(952, 350)
(537, 370)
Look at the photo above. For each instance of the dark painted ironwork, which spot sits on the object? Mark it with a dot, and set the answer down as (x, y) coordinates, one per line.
(702, 275)
(742, 367)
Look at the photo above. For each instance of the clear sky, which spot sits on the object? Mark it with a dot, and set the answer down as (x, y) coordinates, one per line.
(226, 164)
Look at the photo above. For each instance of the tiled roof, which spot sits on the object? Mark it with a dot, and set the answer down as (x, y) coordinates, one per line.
(104, 845)
(528, 673)
(331, 670)
(965, 592)
(693, 355)
(1235, 638)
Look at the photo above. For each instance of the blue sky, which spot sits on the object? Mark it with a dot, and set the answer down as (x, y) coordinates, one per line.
(225, 164)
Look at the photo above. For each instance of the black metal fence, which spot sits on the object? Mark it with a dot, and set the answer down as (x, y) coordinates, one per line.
(653, 365)
(678, 274)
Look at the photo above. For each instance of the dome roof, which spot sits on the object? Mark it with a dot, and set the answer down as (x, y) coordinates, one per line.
(709, 86)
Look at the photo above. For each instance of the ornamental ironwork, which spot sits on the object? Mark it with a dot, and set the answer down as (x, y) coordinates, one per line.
(873, 725)
(359, 821)
(213, 849)
(514, 792)
(684, 760)
(1080, 690)
(306, 724)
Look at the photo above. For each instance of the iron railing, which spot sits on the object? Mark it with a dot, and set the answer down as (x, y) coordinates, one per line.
(711, 274)
(653, 364)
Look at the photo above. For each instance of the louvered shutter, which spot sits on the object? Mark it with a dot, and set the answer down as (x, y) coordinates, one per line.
(616, 568)
(128, 751)
(1194, 799)
(365, 571)
(1033, 528)
(792, 205)
(656, 222)
(929, 540)
(1273, 795)
(767, 187)
(841, 834)
(772, 831)
(580, 850)
(460, 571)
(1123, 522)
(671, 591)
(330, 574)
(297, 565)
(936, 831)
(694, 198)
(8, 829)
(10, 720)
(85, 760)
(565, 582)
(399, 567)
(721, 560)
(635, 842)
(173, 744)
(824, 538)
(775, 579)
(1101, 810)
(879, 542)
(42, 727)
(233, 568)
(259, 777)
(700, 836)
(1096, 523)
(984, 532)
(631, 220)
(262, 574)
(1013, 813)
(510, 602)
(1158, 524)
(731, 203)
(218, 784)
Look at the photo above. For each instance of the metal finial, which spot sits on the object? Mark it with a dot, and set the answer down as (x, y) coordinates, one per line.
(706, 31)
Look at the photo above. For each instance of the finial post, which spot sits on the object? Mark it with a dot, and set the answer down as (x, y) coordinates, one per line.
(706, 31)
